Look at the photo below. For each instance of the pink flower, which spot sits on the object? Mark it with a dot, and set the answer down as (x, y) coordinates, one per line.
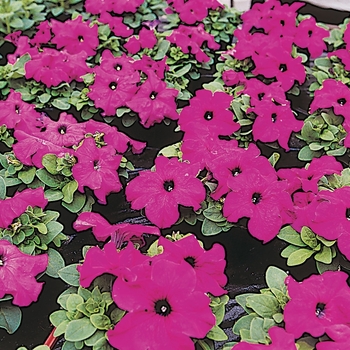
(167, 308)
(317, 303)
(116, 24)
(209, 110)
(12, 208)
(109, 260)
(17, 274)
(22, 47)
(310, 36)
(154, 101)
(340, 334)
(13, 110)
(97, 169)
(209, 265)
(111, 90)
(274, 123)
(343, 55)
(75, 36)
(120, 65)
(119, 233)
(161, 191)
(147, 65)
(65, 132)
(43, 34)
(280, 340)
(232, 78)
(334, 94)
(263, 200)
(145, 39)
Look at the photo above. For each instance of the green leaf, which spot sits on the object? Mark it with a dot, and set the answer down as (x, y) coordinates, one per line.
(44, 98)
(288, 234)
(308, 237)
(2, 188)
(53, 195)
(56, 262)
(10, 317)
(79, 330)
(57, 317)
(162, 50)
(56, 11)
(69, 346)
(77, 203)
(70, 275)
(48, 179)
(101, 322)
(213, 214)
(68, 191)
(288, 251)
(257, 332)
(210, 228)
(278, 317)
(217, 334)
(61, 103)
(299, 256)
(274, 158)
(117, 314)
(243, 323)
(324, 256)
(306, 154)
(263, 304)
(183, 70)
(27, 176)
(16, 22)
(41, 227)
(275, 278)
(73, 301)
(49, 161)
(327, 135)
(95, 338)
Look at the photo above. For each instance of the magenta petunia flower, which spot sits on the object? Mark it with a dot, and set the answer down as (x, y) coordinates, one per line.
(166, 310)
(149, 66)
(119, 233)
(17, 274)
(161, 191)
(274, 123)
(280, 340)
(310, 36)
(109, 260)
(15, 206)
(154, 101)
(263, 200)
(211, 111)
(281, 65)
(233, 78)
(317, 303)
(116, 24)
(43, 34)
(111, 90)
(340, 334)
(145, 39)
(232, 163)
(97, 169)
(343, 55)
(65, 132)
(209, 265)
(22, 47)
(99, 7)
(14, 109)
(75, 36)
(334, 94)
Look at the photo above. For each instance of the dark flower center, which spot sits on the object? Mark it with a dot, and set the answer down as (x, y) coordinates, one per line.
(282, 22)
(2, 260)
(168, 185)
(273, 117)
(81, 38)
(347, 213)
(17, 109)
(256, 198)
(208, 115)
(153, 95)
(236, 171)
(162, 307)
(118, 67)
(191, 260)
(342, 101)
(309, 33)
(282, 67)
(113, 85)
(96, 165)
(320, 310)
(261, 95)
(62, 129)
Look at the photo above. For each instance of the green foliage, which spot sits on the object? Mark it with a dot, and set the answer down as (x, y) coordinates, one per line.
(10, 317)
(217, 305)
(34, 231)
(264, 310)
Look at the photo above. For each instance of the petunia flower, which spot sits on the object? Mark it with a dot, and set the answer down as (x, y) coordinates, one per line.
(233, 78)
(317, 303)
(97, 169)
(17, 274)
(209, 265)
(210, 110)
(334, 94)
(161, 191)
(263, 200)
(154, 101)
(116, 25)
(75, 36)
(119, 233)
(149, 66)
(22, 47)
(343, 55)
(166, 311)
(274, 123)
(145, 39)
(43, 34)
(310, 36)
(340, 335)
(280, 340)
(15, 206)
(111, 90)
